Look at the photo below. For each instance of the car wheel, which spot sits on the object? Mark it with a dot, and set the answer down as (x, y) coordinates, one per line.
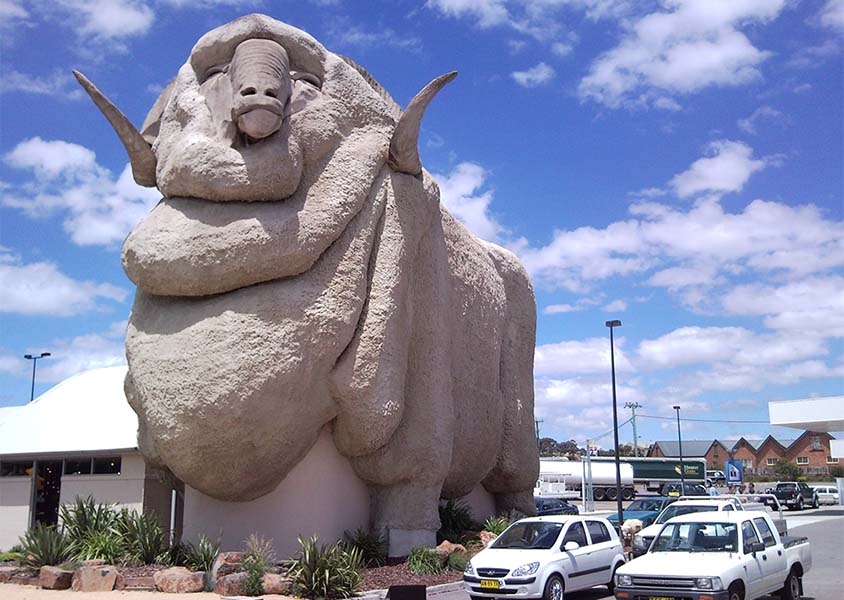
(815, 502)
(611, 584)
(627, 494)
(735, 593)
(612, 493)
(553, 588)
(708, 483)
(800, 504)
(599, 494)
(791, 590)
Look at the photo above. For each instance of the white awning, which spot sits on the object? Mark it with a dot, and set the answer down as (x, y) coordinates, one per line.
(84, 413)
(811, 414)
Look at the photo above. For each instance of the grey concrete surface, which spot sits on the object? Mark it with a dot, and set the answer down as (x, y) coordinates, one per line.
(825, 530)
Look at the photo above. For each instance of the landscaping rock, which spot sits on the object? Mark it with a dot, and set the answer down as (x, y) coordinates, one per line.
(446, 549)
(274, 583)
(231, 585)
(179, 580)
(92, 562)
(54, 578)
(6, 573)
(226, 563)
(487, 538)
(102, 578)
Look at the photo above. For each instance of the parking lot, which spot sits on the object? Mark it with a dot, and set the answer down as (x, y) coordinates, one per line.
(825, 529)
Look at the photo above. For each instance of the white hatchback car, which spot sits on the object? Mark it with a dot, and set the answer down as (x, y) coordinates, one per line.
(827, 494)
(543, 557)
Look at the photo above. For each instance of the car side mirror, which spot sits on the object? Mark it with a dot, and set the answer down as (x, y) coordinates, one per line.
(569, 546)
(755, 547)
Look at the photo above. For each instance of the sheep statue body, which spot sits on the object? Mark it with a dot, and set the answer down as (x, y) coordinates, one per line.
(300, 273)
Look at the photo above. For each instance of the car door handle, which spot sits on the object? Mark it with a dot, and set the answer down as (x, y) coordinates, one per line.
(764, 557)
(779, 552)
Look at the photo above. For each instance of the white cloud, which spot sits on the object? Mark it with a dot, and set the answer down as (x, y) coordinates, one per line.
(460, 193)
(692, 45)
(487, 12)
(56, 84)
(556, 309)
(40, 288)
(98, 209)
(108, 19)
(535, 76)
(84, 352)
(763, 113)
(727, 170)
(344, 33)
(562, 49)
(12, 12)
(11, 364)
(616, 306)
(832, 15)
(579, 357)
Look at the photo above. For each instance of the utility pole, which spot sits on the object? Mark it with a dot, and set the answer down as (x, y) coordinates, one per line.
(537, 422)
(633, 406)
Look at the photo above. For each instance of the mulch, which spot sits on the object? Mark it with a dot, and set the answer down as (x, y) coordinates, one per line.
(140, 570)
(380, 578)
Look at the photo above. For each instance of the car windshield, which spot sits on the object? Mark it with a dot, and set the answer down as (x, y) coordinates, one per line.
(644, 504)
(786, 487)
(684, 509)
(697, 537)
(535, 535)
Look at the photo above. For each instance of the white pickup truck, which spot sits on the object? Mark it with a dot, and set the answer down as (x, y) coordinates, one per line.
(732, 555)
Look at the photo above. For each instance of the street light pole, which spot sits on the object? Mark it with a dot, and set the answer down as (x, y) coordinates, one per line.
(682, 467)
(611, 325)
(633, 406)
(34, 360)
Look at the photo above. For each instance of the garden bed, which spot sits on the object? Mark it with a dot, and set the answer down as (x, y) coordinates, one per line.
(379, 578)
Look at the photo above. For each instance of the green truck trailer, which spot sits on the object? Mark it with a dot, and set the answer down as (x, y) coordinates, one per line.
(653, 473)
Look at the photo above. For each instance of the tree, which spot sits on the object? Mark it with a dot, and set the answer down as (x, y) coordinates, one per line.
(785, 469)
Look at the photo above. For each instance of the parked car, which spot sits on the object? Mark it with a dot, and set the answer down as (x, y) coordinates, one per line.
(827, 494)
(553, 506)
(796, 495)
(690, 489)
(728, 555)
(644, 509)
(539, 557)
(643, 539)
(715, 478)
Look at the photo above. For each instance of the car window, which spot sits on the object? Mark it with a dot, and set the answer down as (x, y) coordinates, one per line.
(728, 507)
(598, 532)
(575, 533)
(675, 510)
(535, 535)
(765, 531)
(749, 535)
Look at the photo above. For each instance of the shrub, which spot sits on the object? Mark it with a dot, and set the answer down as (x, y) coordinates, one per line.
(84, 517)
(108, 545)
(372, 546)
(43, 545)
(457, 561)
(144, 536)
(326, 571)
(200, 556)
(257, 560)
(786, 470)
(836, 471)
(424, 561)
(455, 518)
(496, 525)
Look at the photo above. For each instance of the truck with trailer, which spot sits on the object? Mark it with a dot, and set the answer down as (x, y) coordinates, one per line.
(563, 478)
(652, 474)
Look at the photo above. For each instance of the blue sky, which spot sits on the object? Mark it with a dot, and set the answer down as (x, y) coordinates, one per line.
(674, 164)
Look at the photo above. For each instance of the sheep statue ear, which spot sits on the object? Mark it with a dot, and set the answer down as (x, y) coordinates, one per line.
(141, 157)
(404, 147)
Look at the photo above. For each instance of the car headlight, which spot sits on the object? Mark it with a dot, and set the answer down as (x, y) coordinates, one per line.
(623, 580)
(709, 583)
(525, 570)
(638, 541)
(469, 570)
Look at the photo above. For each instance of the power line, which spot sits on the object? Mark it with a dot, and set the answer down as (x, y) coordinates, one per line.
(703, 420)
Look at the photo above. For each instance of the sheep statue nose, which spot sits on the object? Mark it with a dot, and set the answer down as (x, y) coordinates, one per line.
(260, 74)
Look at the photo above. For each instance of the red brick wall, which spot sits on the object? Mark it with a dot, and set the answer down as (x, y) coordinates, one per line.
(804, 447)
(745, 452)
(716, 456)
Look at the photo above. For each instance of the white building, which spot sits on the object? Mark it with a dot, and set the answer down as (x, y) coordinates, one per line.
(77, 439)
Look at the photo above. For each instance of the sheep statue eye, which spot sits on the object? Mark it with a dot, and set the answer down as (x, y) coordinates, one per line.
(308, 78)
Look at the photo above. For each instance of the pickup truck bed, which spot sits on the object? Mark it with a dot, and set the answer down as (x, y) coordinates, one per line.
(792, 540)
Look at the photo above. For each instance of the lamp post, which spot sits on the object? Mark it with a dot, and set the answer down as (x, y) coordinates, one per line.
(34, 360)
(611, 325)
(682, 467)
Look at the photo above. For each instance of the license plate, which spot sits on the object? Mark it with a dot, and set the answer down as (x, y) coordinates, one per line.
(660, 598)
(490, 584)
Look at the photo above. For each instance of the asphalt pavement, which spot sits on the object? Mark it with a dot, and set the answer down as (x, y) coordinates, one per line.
(824, 528)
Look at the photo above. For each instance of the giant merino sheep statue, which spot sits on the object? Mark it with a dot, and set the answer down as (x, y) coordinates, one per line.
(301, 273)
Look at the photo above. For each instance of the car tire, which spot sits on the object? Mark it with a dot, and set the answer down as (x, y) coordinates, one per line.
(791, 589)
(627, 494)
(815, 502)
(612, 494)
(599, 494)
(735, 593)
(800, 503)
(611, 584)
(554, 588)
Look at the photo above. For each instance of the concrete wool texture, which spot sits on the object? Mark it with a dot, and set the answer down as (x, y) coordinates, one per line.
(297, 280)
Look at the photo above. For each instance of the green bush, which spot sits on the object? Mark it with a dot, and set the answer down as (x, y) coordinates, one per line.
(108, 545)
(43, 545)
(836, 471)
(455, 518)
(257, 560)
(144, 537)
(786, 470)
(457, 561)
(200, 556)
(84, 517)
(326, 571)
(424, 561)
(496, 525)
(373, 547)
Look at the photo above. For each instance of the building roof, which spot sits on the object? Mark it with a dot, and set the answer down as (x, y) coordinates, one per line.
(87, 412)
(813, 414)
(701, 447)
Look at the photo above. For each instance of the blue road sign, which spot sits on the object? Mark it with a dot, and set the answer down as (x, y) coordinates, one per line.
(734, 471)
